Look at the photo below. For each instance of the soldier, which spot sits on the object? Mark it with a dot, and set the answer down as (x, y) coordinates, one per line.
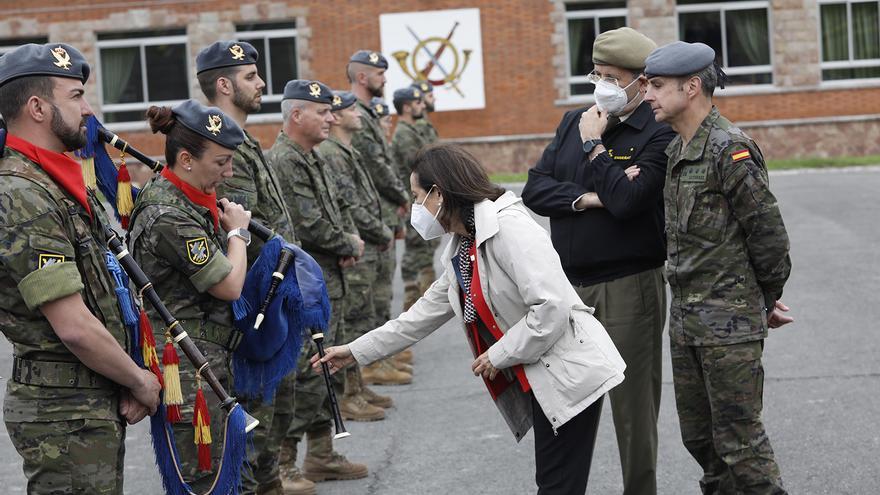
(366, 73)
(175, 235)
(728, 262)
(385, 119)
(329, 235)
(356, 187)
(72, 382)
(417, 268)
(424, 124)
(227, 74)
(614, 192)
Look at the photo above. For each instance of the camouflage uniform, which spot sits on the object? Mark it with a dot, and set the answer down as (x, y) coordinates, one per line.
(354, 184)
(257, 188)
(176, 244)
(427, 129)
(62, 417)
(417, 268)
(370, 142)
(728, 261)
(323, 230)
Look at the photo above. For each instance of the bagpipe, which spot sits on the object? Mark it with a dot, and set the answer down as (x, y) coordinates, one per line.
(276, 305)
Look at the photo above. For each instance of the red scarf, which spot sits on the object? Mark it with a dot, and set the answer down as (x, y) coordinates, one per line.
(65, 171)
(209, 201)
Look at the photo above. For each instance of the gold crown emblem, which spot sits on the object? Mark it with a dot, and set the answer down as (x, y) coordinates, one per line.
(215, 123)
(315, 90)
(374, 58)
(237, 52)
(337, 101)
(62, 58)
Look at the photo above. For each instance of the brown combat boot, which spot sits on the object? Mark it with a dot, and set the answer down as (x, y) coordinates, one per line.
(383, 373)
(411, 294)
(400, 365)
(375, 399)
(294, 482)
(405, 356)
(353, 406)
(324, 464)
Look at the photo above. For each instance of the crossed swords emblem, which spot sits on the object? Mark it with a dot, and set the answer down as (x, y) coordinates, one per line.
(450, 77)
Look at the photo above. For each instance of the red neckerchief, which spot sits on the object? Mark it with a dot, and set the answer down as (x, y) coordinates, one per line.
(65, 171)
(209, 201)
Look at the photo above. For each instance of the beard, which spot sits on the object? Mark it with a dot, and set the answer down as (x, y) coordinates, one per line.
(249, 105)
(429, 107)
(376, 92)
(73, 138)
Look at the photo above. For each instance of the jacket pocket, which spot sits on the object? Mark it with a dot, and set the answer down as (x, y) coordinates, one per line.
(704, 216)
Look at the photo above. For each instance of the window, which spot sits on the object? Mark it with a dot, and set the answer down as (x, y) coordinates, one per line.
(141, 69)
(9, 44)
(850, 40)
(584, 21)
(739, 33)
(276, 43)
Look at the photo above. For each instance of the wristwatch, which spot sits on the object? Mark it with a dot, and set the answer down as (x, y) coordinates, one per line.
(590, 144)
(243, 234)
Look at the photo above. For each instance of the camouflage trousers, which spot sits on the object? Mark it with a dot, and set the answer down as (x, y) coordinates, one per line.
(360, 309)
(71, 457)
(719, 395)
(261, 468)
(419, 255)
(382, 292)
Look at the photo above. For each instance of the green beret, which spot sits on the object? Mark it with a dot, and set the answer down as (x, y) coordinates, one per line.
(51, 59)
(624, 47)
(209, 122)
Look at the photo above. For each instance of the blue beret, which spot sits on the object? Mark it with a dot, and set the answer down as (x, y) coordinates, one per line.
(425, 86)
(343, 100)
(407, 94)
(367, 57)
(303, 89)
(226, 54)
(209, 122)
(51, 59)
(379, 106)
(679, 59)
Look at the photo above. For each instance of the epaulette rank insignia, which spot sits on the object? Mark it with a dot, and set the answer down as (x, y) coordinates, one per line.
(46, 259)
(740, 155)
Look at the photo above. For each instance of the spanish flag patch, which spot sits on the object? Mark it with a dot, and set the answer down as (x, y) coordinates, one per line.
(740, 155)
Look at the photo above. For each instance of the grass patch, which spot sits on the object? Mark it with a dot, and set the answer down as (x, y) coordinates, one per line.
(784, 164)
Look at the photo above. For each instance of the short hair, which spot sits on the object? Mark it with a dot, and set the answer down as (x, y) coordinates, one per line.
(708, 79)
(289, 105)
(208, 79)
(352, 70)
(14, 94)
(398, 105)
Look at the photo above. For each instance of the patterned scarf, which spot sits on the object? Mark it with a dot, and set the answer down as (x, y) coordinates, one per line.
(466, 267)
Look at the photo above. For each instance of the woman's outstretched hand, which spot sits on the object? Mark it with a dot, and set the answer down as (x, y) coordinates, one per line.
(482, 366)
(336, 357)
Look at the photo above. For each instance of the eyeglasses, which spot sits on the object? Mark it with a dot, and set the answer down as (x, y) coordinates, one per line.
(594, 78)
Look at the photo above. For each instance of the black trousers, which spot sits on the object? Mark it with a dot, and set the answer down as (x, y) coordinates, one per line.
(562, 461)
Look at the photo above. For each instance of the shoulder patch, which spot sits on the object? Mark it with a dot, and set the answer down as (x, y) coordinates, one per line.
(197, 250)
(740, 155)
(46, 259)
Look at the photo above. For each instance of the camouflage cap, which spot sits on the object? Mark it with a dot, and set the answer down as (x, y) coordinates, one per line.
(379, 106)
(409, 93)
(367, 57)
(679, 59)
(226, 54)
(209, 122)
(425, 86)
(51, 59)
(343, 100)
(303, 89)
(624, 47)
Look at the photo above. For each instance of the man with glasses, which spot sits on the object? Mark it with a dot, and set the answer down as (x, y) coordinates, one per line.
(601, 182)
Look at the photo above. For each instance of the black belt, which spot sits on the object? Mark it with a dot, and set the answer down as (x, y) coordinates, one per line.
(57, 374)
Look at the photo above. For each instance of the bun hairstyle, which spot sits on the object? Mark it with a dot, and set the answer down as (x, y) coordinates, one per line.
(177, 137)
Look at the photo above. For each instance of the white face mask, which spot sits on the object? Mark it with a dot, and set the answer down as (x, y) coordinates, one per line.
(426, 224)
(611, 98)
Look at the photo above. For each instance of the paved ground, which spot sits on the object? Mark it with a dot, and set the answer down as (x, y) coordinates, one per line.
(822, 394)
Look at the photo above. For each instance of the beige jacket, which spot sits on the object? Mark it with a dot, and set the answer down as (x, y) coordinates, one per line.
(568, 357)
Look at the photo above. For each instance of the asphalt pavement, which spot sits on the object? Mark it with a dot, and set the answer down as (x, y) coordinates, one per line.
(821, 398)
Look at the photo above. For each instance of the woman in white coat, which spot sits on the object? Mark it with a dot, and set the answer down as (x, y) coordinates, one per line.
(545, 360)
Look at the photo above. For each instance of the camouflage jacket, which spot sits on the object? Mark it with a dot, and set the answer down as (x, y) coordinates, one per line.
(51, 248)
(320, 222)
(177, 246)
(356, 186)
(370, 142)
(726, 243)
(407, 141)
(256, 187)
(427, 129)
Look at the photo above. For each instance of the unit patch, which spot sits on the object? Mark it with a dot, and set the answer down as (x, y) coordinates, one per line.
(46, 259)
(197, 250)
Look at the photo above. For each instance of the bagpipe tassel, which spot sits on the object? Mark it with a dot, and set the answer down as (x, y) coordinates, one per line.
(171, 374)
(148, 347)
(124, 197)
(202, 425)
(88, 171)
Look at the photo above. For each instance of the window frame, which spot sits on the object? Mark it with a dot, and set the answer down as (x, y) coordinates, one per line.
(595, 15)
(850, 63)
(723, 8)
(141, 42)
(266, 35)
(6, 48)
